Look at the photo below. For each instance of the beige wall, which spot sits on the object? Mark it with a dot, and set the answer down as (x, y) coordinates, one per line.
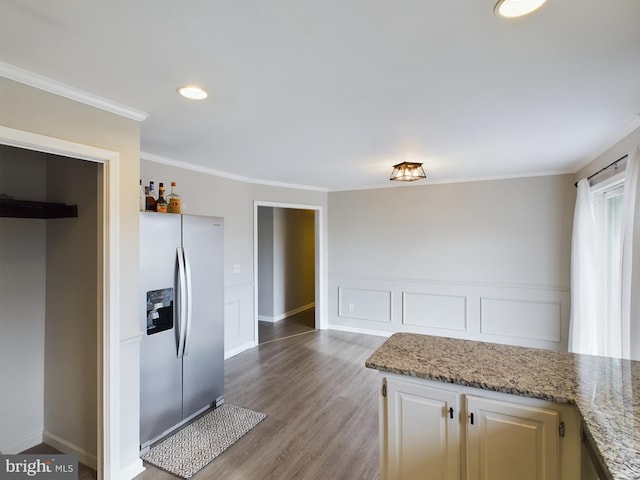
(71, 325)
(481, 260)
(22, 300)
(32, 110)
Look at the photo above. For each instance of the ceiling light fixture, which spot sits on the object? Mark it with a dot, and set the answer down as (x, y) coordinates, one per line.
(408, 172)
(192, 92)
(516, 8)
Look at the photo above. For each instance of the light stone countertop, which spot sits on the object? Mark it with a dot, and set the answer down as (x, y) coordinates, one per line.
(606, 391)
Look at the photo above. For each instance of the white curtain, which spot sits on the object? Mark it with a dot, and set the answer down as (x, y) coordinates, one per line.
(629, 223)
(585, 298)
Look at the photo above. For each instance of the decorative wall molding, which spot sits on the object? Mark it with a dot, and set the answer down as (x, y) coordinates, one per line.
(459, 283)
(365, 304)
(501, 313)
(515, 317)
(434, 310)
(58, 88)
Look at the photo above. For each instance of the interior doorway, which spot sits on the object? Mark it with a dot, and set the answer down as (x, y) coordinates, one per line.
(105, 350)
(287, 265)
(50, 251)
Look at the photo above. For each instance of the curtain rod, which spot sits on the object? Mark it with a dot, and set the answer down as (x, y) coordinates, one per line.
(605, 168)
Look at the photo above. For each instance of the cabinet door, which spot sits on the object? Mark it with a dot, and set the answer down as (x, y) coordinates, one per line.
(509, 441)
(423, 439)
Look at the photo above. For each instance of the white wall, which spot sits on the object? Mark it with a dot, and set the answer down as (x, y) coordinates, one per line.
(480, 260)
(22, 304)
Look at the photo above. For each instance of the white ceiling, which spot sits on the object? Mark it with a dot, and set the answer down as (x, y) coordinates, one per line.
(331, 94)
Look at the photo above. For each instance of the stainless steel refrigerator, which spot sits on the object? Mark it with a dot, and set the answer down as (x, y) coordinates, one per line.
(182, 317)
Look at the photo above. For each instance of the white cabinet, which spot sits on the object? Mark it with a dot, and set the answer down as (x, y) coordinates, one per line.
(423, 432)
(509, 441)
(438, 431)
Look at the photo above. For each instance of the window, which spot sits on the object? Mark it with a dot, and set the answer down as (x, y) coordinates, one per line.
(608, 215)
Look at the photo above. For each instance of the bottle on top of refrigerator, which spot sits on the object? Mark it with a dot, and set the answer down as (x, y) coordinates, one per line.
(161, 203)
(143, 197)
(173, 200)
(150, 199)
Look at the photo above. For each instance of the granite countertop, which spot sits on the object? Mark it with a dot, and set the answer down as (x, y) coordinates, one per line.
(606, 391)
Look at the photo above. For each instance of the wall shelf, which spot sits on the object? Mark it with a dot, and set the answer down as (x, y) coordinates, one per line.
(28, 209)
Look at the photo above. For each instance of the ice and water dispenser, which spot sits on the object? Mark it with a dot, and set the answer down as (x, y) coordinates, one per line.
(159, 310)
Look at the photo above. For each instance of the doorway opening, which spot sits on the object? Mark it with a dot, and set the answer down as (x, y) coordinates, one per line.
(287, 270)
(105, 349)
(50, 303)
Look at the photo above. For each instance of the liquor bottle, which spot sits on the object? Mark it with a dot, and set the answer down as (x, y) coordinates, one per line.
(161, 203)
(150, 200)
(173, 200)
(143, 197)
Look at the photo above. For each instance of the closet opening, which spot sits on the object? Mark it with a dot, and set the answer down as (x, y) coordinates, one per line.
(49, 279)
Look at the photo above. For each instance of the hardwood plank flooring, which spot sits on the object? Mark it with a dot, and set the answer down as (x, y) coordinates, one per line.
(303, 322)
(322, 407)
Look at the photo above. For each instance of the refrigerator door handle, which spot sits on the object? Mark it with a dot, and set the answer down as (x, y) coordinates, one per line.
(182, 302)
(187, 265)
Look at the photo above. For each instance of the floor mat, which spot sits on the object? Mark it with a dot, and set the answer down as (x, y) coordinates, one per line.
(200, 442)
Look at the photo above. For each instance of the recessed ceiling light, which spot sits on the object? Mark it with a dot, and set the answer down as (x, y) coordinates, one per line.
(192, 92)
(516, 8)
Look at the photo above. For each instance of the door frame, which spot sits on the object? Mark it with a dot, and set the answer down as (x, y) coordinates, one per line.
(320, 261)
(108, 283)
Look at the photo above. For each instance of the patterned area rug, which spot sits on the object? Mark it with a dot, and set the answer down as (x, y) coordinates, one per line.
(197, 444)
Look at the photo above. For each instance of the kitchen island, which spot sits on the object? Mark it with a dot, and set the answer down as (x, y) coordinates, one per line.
(605, 391)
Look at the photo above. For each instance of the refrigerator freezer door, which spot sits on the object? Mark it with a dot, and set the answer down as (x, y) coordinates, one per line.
(160, 367)
(203, 363)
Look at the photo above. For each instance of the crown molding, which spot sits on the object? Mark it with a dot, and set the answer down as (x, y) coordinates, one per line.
(57, 88)
(632, 126)
(219, 173)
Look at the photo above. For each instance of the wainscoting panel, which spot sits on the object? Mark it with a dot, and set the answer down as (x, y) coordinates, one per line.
(239, 325)
(435, 311)
(365, 304)
(515, 314)
(537, 320)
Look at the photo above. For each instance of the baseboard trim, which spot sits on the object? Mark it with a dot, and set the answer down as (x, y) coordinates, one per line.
(23, 444)
(242, 348)
(364, 331)
(132, 470)
(290, 313)
(65, 446)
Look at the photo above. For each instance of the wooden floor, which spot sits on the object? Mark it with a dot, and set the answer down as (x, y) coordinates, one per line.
(322, 407)
(303, 322)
